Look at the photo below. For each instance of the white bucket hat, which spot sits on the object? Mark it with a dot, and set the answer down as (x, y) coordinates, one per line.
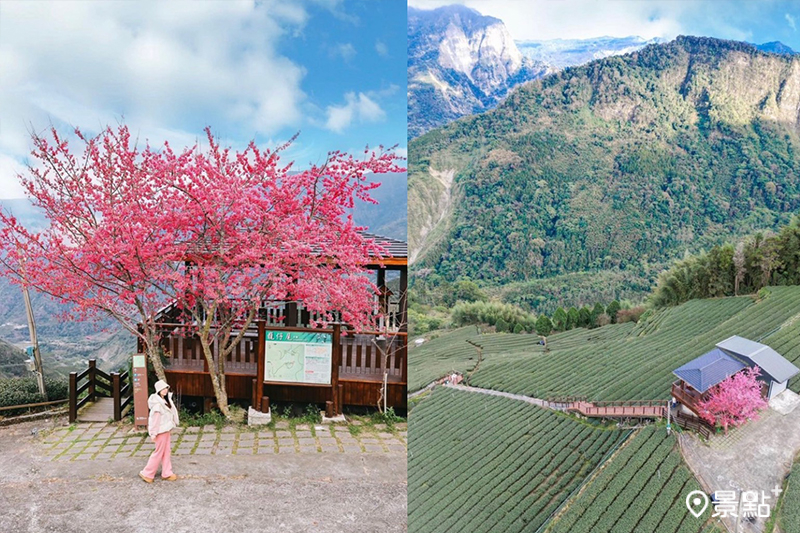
(161, 385)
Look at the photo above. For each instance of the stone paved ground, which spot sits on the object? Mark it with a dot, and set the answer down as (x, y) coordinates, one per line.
(57, 478)
(754, 457)
(93, 441)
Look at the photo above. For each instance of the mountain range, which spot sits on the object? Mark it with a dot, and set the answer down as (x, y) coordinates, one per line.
(622, 164)
(461, 62)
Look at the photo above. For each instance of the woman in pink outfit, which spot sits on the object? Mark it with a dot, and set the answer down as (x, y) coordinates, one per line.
(163, 417)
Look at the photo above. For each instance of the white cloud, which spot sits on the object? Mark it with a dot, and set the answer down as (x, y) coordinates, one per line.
(578, 19)
(791, 21)
(381, 48)
(358, 107)
(167, 68)
(10, 168)
(344, 50)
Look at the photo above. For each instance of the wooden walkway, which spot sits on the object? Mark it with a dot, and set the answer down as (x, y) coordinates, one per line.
(99, 411)
(618, 410)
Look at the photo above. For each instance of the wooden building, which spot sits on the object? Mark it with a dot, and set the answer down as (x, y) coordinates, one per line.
(698, 376)
(360, 359)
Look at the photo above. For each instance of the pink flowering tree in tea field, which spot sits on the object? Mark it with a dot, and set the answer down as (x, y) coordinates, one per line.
(210, 231)
(735, 400)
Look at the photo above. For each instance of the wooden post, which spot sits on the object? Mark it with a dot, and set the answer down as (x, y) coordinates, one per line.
(115, 391)
(260, 364)
(73, 396)
(265, 404)
(341, 399)
(403, 299)
(336, 357)
(37, 355)
(383, 297)
(253, 391)
(92, 368)
(329, 409)
(403, 351)
(290, 318)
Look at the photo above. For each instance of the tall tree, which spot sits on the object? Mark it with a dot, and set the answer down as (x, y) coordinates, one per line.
(597, 310)
(573, 317)
(739, 266)
(560, 319)
(214, 232)
(612, 310)
(543, 325)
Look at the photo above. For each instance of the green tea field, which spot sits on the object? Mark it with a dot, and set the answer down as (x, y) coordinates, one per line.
(642, 488)
(483, 463)
(615, 362)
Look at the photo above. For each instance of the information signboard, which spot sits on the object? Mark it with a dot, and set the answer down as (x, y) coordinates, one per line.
(298, 357)
(140, 409)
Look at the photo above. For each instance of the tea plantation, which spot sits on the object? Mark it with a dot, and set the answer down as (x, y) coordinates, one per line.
(642, 488)
(620, 361)
(485, 463)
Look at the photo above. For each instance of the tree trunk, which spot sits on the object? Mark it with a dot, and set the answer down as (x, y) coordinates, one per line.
(155, 358)
(217, 379)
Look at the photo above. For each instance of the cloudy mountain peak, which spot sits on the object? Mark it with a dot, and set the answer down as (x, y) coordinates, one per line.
(459, 63)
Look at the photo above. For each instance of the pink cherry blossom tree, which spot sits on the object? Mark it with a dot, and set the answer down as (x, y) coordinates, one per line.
(210, 232)
(735, 400)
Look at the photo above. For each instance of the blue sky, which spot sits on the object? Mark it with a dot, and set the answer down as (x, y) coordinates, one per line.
(745, 20)
(333, 70)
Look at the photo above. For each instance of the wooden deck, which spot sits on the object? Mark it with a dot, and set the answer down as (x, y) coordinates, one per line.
(101, 410)
(631, 409)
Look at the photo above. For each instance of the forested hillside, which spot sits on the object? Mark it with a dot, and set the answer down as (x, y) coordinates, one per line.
(12, 360)
(620, 165)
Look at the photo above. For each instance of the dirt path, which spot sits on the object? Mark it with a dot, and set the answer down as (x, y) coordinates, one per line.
(348, 490)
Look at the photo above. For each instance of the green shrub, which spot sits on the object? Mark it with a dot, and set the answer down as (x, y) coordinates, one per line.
(489, 313)
(518, 328)
(19, 391)
(501, 325)
(789, 517)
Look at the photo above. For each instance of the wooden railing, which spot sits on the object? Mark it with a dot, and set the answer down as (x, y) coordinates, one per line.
(94, 382)
(185, 353)
(684, 396)
(694, 423)
(620, 409)
(295, 315)
(365, 356)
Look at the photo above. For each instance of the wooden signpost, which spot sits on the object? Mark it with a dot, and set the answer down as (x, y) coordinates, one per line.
(139, 377)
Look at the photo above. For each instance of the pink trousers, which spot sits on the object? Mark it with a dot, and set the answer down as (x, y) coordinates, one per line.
(162, 456)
